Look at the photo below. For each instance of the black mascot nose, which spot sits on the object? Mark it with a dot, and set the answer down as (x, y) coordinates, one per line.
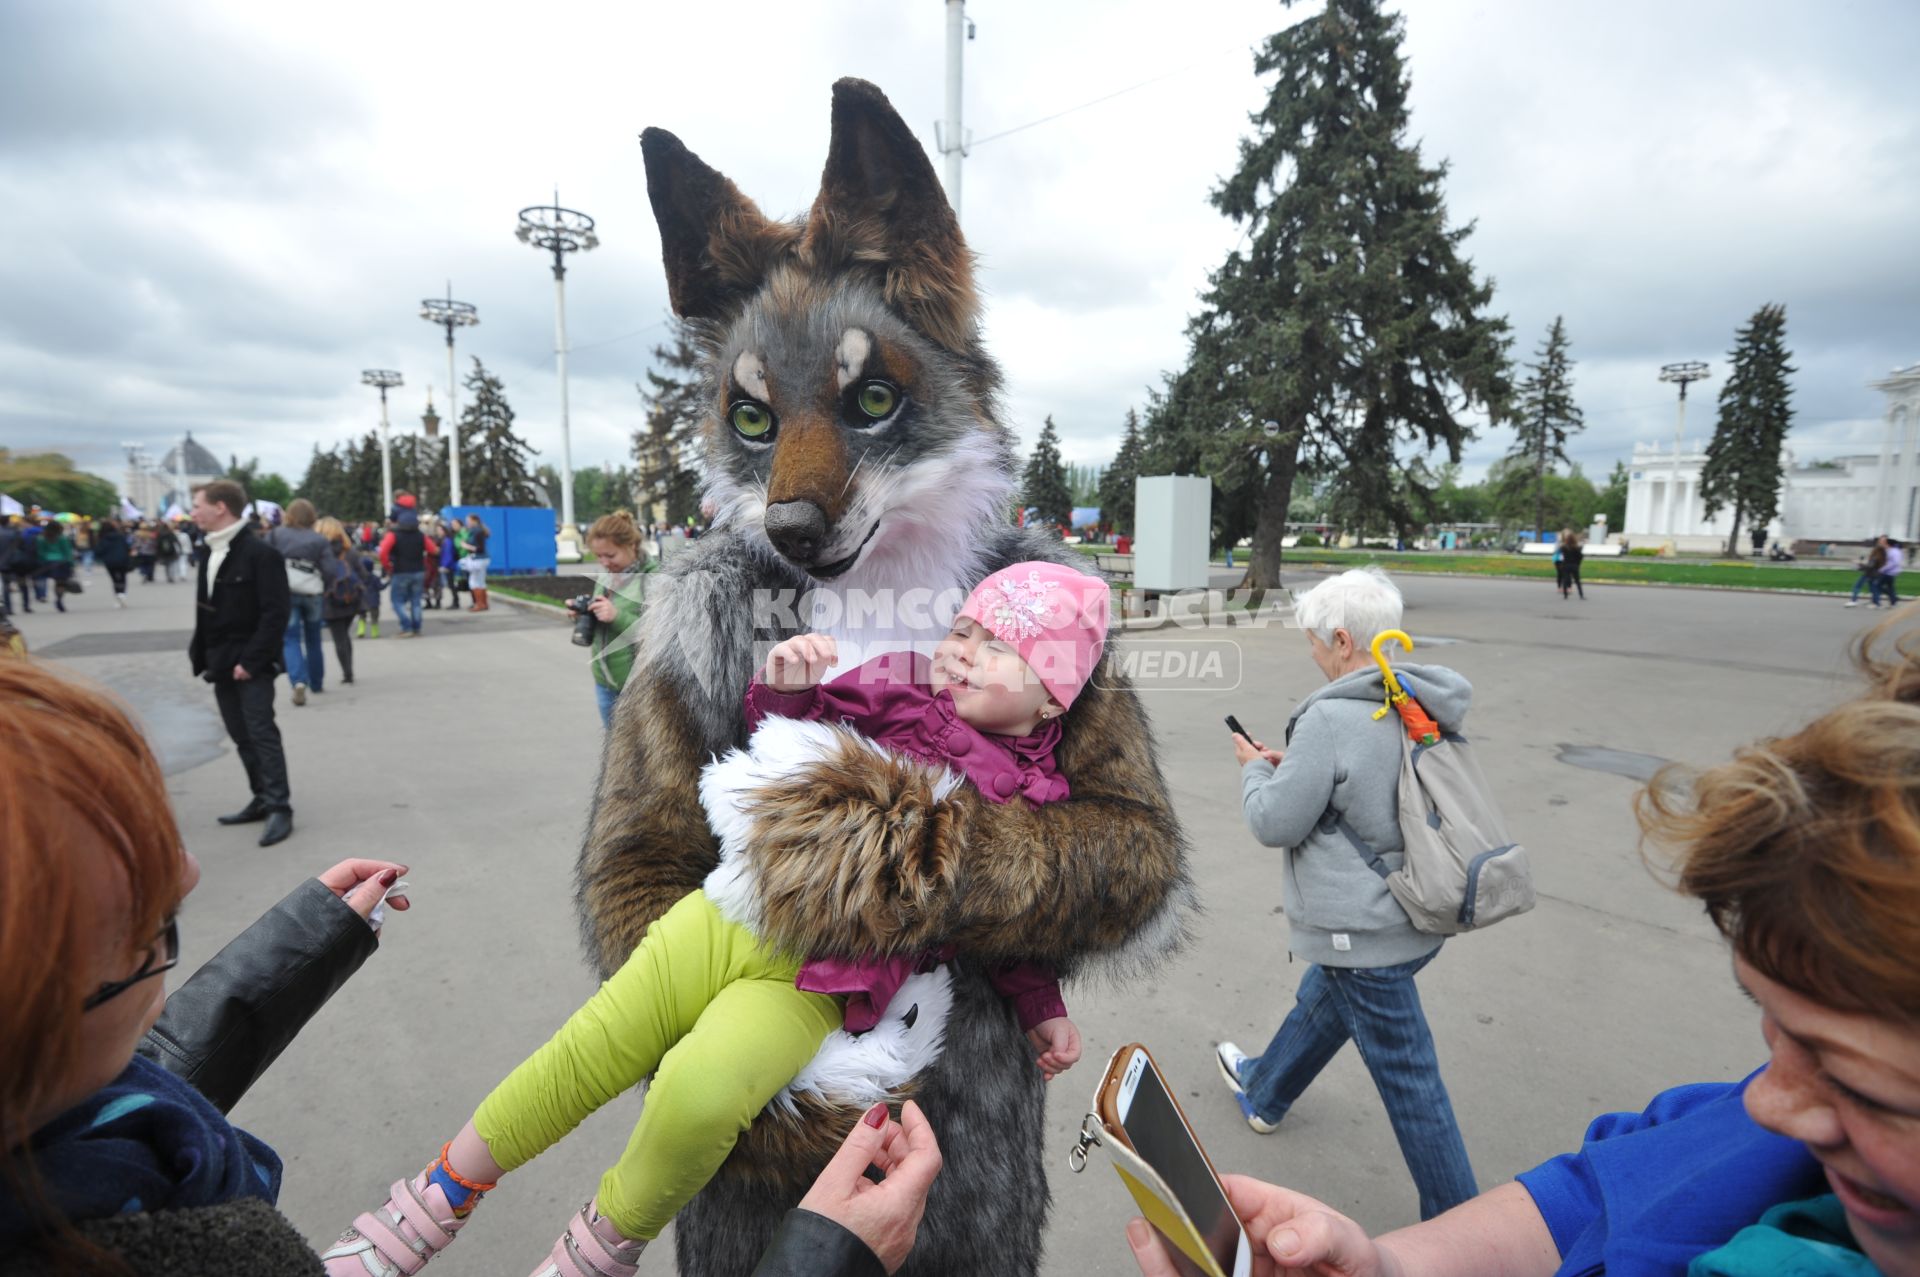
(797, 529)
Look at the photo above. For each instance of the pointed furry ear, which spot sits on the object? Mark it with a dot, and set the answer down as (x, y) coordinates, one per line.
(716, 245)
(880, 203)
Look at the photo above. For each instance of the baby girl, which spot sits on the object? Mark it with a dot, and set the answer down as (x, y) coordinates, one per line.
(720, 1018)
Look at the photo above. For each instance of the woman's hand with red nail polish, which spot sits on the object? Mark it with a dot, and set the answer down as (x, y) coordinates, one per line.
(886, 1216)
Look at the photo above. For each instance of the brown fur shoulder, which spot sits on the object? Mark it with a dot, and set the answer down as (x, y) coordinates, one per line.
(855, 854)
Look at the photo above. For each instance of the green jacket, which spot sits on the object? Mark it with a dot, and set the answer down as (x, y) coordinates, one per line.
(612, 645)
(54, 550)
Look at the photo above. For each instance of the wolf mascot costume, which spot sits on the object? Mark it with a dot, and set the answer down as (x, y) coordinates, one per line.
(858, 467)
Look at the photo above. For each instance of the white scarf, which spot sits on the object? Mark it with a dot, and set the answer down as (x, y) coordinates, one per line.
(218, 543)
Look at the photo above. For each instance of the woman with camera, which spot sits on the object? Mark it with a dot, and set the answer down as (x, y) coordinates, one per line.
(602, 620)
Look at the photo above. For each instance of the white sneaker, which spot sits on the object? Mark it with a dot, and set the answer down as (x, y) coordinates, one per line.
(1233, 1061)
(1853, 602)
(299, 693)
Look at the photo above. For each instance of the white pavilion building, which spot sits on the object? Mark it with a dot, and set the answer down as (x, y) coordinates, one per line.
(154, 488)
(1849, 499)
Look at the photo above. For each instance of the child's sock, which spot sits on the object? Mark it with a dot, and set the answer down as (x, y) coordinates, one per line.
(462, 1194)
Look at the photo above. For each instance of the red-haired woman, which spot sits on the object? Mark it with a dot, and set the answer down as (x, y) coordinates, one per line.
(115, 1154)
(1806, 853)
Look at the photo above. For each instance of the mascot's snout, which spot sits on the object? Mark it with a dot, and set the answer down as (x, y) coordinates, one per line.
(797, 529)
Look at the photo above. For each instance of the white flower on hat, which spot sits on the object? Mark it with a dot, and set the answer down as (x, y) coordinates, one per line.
(1015, 609)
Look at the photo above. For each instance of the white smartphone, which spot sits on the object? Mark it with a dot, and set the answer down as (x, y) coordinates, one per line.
(1136, 1104)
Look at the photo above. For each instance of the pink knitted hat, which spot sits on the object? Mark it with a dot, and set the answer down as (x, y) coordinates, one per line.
(1053, 616)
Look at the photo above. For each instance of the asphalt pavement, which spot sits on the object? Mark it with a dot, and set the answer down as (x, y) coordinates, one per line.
(470, 756)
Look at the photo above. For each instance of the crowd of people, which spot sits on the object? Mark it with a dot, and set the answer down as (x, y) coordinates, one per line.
(115, 1148)
(43, 557)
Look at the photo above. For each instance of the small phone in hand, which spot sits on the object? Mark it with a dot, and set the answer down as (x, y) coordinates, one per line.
(1233, 725)
(1159, 1158)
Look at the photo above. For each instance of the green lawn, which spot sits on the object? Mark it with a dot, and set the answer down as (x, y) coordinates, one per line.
(525, 595)
(1739, 573)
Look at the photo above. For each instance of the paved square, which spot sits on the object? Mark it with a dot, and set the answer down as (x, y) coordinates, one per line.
(472, 761)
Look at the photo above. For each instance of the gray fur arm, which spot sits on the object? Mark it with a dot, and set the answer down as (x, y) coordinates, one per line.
(647, 841)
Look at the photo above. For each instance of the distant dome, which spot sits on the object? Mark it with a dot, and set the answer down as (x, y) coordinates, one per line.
(199, 460)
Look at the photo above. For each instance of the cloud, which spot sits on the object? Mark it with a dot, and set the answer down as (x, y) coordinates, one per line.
(229, 209)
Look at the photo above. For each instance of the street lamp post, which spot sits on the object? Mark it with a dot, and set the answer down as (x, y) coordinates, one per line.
(383, 378)
(450, 314)
(559, 231)
(1683, 373)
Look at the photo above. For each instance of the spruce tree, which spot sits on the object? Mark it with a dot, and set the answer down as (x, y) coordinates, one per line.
(1117, 483)
(1044, 487)
(668, 445)
(493, 459)
(1350, 319)
(1545, 417)
(1743, 460)
(419, 467)
(1613, 498)
(321, 483)
(358, 493)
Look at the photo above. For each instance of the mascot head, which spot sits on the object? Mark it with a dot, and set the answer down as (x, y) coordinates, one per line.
(851, 422)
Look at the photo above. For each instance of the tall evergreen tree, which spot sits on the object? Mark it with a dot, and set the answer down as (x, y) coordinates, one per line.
(1168, 446)
(1613, 498)
(1117, 481)
(321, 483)
(1743, 460)
(1083, 482)
(1350, 319)
(493, 459)
(1044, 487)
(667, 447)
(419, 467)
(264, 485)
(361, 493)
(1545, 418)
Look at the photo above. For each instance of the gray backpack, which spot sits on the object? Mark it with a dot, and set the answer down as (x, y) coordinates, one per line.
(1463, 870)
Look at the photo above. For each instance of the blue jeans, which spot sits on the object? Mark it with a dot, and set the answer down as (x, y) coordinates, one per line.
(406, 591)
(1884, 584)
(606, 696)
(301, 651)
(1379, 1008)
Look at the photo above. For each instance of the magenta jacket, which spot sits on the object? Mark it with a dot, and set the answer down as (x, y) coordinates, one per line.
(887, 700)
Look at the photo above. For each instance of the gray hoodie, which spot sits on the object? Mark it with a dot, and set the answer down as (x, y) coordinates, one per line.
(300, 543)
(1340, 759)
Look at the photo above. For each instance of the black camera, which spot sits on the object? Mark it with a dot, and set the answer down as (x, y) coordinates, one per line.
(583, 620)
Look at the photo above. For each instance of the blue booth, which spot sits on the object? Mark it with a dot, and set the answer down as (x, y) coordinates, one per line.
(522, 537)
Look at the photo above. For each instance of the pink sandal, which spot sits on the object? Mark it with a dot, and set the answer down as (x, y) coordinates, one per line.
(414, 1224)
(591, 1247)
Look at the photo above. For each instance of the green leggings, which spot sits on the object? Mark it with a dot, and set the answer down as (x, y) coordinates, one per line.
(707, 1009)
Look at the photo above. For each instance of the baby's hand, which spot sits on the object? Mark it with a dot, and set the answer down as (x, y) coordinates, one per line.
(798, 663)
(1058, 1041)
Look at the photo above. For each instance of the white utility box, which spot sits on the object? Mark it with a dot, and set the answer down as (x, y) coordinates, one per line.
(1173, 526)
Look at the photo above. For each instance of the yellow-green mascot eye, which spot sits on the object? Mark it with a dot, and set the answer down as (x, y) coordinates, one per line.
(877, 399)
(751, 419)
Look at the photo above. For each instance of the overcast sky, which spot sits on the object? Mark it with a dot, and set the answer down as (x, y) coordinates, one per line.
(217, 215)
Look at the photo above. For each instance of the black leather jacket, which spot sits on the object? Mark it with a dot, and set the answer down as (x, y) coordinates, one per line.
(810, 1245)
(225, 1025)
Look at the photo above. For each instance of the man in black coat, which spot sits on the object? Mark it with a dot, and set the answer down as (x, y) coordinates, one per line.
(240, 622)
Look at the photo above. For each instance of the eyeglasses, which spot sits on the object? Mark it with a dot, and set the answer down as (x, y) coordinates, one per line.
(165, 948)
